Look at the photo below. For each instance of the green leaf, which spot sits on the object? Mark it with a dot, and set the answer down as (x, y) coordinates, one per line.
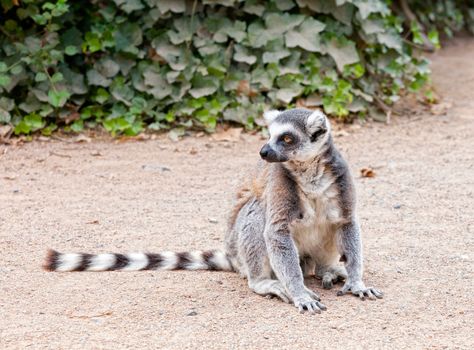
(277, 23)
(284, 5)
(40, 76)
(129, 5)
(433, 37)
(29, 123)
(17, 69)
(3, 67)
(58, 98)
(306, 35)
(4, 80)
(77, 126)
(202, 86)
(107, 67)
(101, 96)
(47, 131)
(367, 7)
(253, 7)
(390, 40)
(95, 78)
(57, 77)
(343, 53)
(176, 6)
(71, 50)
(242, 54)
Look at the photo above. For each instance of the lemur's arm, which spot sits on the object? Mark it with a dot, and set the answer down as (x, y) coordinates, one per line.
(282, 206)
(351, 249)
(284, 258)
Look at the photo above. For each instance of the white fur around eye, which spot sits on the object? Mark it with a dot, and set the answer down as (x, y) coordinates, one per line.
(278, 129)
(270, 116)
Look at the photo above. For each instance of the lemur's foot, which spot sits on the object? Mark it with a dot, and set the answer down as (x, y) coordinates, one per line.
(309, 301)
(359, 289)
(331, 275)
(270, 288)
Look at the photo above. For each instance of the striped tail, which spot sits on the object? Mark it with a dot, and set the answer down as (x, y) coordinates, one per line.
(196, 260)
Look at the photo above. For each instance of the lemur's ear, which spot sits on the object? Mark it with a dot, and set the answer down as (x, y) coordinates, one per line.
(270, 116)
(317, 120)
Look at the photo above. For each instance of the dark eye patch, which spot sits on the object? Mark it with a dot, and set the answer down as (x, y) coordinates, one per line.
(317, 134)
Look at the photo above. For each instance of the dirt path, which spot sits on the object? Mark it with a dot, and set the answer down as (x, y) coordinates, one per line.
(416, 214)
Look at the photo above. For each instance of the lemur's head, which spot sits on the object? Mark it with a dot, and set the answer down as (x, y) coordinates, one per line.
(295, 134)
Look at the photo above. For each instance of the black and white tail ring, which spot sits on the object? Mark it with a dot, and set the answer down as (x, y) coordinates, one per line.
(195, 260)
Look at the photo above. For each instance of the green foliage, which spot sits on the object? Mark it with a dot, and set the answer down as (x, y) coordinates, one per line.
(158, 64)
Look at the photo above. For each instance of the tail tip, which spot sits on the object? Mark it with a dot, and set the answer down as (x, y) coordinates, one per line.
(51, 260)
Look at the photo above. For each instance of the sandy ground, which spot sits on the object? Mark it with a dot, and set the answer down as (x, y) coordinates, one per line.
(416, 215)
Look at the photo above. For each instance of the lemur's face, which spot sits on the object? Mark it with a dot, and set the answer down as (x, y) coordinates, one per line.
(295, 135)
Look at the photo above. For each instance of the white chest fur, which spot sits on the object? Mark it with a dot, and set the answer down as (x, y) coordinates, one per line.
(315, 233)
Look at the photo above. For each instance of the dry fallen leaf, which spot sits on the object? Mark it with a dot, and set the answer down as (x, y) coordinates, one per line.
(82, 138)
(93, 222)
(229, 135)
(5, 131)
(193, 151)
(367, 172)
(441, 108)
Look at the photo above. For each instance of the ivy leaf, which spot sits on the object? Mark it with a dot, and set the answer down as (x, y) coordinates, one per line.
(107, 67)
(129, 5)
(367, 7)
(95, 78)
(242, 54)
(275, 56)
(57, 77)
(202, 86)
(176, 6)
(390, 40)
(4, 80)
(158, 86)
(40, 76)
(306, 36)
(288, 94)
(3, 67)
(128, 37)
(29, 123)
(253, 7)
(236, 31)
(58, 98)
(277, 23)
(257, 35)
(184, 31)
(373, 26)
(284, 5)
(71, 50)
(5, 116)
(342, 53)
(16, 70)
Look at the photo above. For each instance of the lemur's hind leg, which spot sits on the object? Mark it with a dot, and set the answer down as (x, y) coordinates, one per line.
(252, 252)
(307, 265)
(331, 275)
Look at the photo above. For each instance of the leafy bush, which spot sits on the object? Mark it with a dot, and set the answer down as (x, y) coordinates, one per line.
(131, 64)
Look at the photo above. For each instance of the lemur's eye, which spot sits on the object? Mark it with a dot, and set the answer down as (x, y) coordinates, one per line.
(288, 139)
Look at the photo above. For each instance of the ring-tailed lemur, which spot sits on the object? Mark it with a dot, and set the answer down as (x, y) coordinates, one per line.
(294, 217)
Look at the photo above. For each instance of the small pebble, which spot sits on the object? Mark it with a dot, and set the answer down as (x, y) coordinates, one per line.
(191, 313)
(397, 206)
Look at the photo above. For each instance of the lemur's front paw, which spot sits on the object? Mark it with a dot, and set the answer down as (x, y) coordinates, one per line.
(309, 301)
(359, 289)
